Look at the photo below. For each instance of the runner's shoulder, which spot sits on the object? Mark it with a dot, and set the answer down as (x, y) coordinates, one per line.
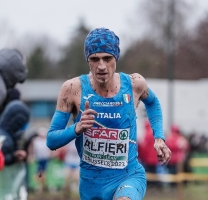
(137, 80)
(72, 84)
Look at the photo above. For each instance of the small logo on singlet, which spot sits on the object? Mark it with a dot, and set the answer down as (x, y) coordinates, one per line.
(126, 98)
(123, 135)
(107, 104)
(89, 95)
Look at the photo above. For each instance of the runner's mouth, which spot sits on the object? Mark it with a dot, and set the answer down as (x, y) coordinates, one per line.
(101, 74)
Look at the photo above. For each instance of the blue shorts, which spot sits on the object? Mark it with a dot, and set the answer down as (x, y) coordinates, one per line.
(42, 165)
(131, 184)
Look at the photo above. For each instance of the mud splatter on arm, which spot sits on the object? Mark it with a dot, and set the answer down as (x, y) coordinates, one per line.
(65, 98)
(139, 87)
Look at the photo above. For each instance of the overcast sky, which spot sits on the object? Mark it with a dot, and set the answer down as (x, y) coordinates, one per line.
(58, 18)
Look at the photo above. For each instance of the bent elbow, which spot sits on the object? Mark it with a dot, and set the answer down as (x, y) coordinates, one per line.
(50, 143)
(51, 147)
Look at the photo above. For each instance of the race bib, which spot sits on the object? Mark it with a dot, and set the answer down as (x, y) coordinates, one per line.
(105, 147)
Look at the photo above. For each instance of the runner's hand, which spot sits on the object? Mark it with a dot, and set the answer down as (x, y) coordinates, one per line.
(87, 119)
(163, 152)
(20, 155)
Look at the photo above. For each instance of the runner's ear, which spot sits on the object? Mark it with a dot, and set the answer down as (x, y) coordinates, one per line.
(87, 105)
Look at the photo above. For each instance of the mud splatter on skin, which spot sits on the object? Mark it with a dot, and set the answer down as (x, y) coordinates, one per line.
(65, 100)
(145, 93)
(69, 90)
(132, 76)
(68, 105)
(102, 84)
(75, 93)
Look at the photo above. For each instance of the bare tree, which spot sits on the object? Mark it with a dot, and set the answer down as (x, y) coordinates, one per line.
(192, 59)
(73, 62)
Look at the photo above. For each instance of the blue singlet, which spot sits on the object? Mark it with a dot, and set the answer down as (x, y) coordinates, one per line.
(108, 151)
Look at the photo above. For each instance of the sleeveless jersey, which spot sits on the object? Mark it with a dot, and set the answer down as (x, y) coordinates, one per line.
(112, 141)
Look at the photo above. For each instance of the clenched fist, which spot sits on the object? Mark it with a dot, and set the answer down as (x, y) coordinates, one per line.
(87, 119)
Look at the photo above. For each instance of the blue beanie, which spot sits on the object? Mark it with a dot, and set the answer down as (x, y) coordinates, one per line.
(102, 40)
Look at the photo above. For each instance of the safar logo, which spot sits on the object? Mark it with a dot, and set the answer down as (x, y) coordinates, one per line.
(126, 98)
(123, 134)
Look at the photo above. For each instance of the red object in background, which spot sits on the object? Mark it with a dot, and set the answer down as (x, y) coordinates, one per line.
(1, 160)
(147, 153)
(178, 145)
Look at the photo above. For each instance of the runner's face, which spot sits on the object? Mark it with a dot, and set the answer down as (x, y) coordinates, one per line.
(102, 66)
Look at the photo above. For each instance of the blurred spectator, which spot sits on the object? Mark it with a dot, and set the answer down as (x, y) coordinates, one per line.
(28, 147)
(71, 163)
(1, 160)
(194, 141)
(12, 70)
(12, 94)
(147, 153)
(2, 138)
(42, 155)
(13, 123)
(203, 144)
(14, 118)
(179, 147)
(198, 144)
(14, 113)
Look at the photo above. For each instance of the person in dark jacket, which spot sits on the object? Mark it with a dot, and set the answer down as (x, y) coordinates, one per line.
(13, 122)
(13, 70)
(14, 117)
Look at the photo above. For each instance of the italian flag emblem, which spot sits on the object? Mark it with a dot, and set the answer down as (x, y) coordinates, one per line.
(126, 98)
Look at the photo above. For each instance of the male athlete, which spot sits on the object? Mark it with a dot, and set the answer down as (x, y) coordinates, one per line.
(103, 105)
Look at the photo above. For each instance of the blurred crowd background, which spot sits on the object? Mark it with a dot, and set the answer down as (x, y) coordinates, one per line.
(168, 50)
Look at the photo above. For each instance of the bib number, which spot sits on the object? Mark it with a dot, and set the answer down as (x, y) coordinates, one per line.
(105, 147)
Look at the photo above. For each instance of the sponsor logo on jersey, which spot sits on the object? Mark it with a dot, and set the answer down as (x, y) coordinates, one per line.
(107, 104)
(102, 133)
(87, 97)
(123, 135)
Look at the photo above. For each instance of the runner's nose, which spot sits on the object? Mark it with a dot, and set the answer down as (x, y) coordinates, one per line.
(101, 64)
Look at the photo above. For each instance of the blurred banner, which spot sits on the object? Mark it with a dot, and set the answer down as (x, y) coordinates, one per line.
(13, 182)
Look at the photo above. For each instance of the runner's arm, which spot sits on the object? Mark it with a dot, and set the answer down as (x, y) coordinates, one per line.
(58, 134)
(154, 113)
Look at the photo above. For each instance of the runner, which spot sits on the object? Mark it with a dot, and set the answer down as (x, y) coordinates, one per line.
(103, 105)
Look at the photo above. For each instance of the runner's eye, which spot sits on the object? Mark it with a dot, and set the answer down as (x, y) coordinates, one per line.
(107, 58)
(94, 59)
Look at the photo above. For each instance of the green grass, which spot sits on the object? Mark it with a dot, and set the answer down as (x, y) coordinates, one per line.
(191, 191)
(53, 195)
